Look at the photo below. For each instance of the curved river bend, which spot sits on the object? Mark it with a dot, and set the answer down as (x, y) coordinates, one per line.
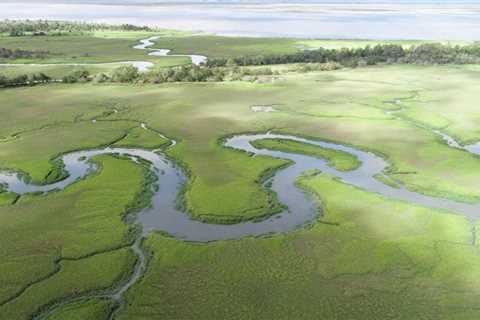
(163, 214)
(147, 43)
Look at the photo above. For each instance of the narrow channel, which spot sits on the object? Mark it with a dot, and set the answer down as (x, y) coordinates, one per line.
(142, 66)
(146, 44)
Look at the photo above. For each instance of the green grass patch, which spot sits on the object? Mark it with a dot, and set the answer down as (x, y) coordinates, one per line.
(7, 198)
(35, 153)
(145, 138)
(94, 309)
(74, 278)
(220, 47)
(389, 181)
(221, 198)
(340, 160)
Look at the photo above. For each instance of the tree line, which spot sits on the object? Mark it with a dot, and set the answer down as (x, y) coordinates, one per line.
(130, 74)
(18, 28)
(428, 53)
(186, 73)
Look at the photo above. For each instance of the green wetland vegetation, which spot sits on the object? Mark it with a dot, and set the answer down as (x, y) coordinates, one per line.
(367, 256)
(340, 160)
(375, 259)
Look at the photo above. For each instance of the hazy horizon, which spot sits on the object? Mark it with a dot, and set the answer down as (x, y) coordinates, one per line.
(365, 19)
(139, 2)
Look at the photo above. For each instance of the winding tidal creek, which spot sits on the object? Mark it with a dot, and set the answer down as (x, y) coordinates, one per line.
(142, 66)
(147, 43)
(301, 208)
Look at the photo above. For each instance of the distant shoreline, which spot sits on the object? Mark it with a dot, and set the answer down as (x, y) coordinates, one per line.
(254, 2)
(358, 20)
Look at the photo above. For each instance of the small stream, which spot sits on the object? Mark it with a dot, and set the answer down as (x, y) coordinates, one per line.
(142, 66)
(147, 43)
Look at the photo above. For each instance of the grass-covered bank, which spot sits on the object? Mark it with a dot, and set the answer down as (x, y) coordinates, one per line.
(33, 153)
(339, 160)
(230, 197)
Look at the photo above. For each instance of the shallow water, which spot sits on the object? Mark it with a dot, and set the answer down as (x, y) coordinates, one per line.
(147, 43)
(164, 216)
(445, 20)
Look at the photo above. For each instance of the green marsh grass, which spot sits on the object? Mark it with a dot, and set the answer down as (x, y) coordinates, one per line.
(81, 229)
(93, 309)
(368, 257)
(346, 106)
(83, 49)
(341, 161)
(143, 137)
(376, 258)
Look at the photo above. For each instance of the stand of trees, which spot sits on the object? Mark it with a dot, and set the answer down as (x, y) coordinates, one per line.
(190, 73)
(24, 80)
(387, 53)
(18, 28)
(187, 73)
(77, 76)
